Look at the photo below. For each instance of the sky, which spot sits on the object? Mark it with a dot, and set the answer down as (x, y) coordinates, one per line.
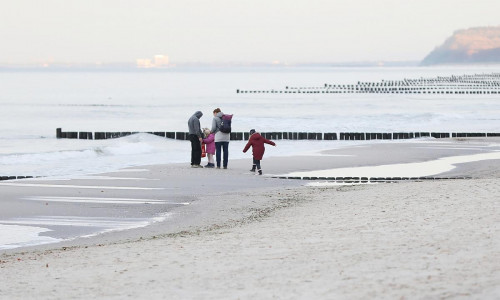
(238, 31)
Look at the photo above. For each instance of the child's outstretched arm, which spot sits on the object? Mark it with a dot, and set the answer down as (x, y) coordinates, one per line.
(269, 142)
(247, 147)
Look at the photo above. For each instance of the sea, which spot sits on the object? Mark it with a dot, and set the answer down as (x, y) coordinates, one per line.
(33, 103)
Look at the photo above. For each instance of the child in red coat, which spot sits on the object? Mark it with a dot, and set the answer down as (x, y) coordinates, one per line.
(257, 142)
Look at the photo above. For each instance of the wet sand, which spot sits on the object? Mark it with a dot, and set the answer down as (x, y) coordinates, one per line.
(183, 197)
(270, 238)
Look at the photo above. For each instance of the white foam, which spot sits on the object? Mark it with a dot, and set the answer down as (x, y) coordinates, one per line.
(102, 200)
(401, 170)
(15, 236)
(69, 186)
(105, 222)
(102, 224)
(79, 157)
(130, 224)
(23, 232)
(96, 177)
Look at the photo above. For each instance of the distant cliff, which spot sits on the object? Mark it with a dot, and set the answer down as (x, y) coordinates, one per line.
(474, 45)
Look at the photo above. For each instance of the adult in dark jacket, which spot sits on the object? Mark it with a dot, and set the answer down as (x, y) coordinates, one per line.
(256, 141)
(196, 137)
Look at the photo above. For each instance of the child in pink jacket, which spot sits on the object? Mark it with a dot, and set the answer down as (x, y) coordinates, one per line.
(209, 141)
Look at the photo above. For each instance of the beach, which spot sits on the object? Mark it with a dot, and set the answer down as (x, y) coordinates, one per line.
(286, 239)
(383, 182)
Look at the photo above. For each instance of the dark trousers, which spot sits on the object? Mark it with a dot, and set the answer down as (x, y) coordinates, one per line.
(195, 149)
(256, 162)
(224, 146)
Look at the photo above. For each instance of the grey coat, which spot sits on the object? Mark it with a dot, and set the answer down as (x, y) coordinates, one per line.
(194, 124)
(219, 136)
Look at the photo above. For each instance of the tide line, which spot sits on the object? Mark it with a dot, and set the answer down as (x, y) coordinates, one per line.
(15, 236)
(82, 186)
(112, 178)
(102, 200)
(80, 221)
(418, 169)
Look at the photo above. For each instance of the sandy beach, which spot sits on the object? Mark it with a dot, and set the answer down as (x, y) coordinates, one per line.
(380, 177)
(263, 240)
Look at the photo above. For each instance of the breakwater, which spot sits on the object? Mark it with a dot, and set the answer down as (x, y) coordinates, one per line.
(240, 136)
(476, 84)
(15, 177)
(357, 180)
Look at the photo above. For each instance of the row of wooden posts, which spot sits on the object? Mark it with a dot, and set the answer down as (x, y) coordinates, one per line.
(240, 136)
(14, 177)
(370, 90)
(369, 179)
(467, 84)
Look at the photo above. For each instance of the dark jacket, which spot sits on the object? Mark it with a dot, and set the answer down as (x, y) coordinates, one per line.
(257, 142)
(194, 124)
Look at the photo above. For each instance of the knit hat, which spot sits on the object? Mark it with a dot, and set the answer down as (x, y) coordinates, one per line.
(252, 131)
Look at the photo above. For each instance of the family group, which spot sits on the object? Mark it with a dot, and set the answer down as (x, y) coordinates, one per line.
(216, 142)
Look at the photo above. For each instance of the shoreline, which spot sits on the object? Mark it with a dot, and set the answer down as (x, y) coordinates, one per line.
(190, 206)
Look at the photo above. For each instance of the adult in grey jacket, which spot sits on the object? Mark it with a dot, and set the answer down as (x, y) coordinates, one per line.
(221, 139)
(196, 137)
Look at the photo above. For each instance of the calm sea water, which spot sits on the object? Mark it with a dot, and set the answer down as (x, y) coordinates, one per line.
(34, 104)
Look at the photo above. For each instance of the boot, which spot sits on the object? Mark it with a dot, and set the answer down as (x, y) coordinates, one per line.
(260, 171)
(253, 168)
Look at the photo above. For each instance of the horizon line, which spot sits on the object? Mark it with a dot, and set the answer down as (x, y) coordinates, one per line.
(129, 65)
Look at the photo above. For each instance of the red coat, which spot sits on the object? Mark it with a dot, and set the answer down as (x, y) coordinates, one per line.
(257, 142)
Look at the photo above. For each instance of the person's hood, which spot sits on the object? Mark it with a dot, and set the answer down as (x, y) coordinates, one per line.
(219, 114)
(198, 114)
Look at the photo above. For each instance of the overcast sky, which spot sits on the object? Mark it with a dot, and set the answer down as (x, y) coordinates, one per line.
(292, 31)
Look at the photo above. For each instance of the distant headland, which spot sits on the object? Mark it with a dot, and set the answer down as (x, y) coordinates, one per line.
(468, 46)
